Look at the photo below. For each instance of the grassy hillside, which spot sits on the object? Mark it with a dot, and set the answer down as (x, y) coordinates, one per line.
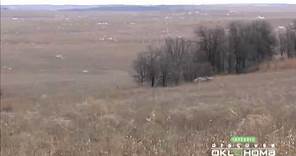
(182, 120)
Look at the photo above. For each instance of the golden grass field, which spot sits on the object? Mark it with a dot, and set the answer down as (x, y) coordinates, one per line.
(86, 103)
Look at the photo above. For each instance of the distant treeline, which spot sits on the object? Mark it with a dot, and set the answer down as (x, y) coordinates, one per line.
(238, 48)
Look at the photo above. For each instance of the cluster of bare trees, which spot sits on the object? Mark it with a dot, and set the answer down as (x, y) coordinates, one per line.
(173, 62)
(240, 47)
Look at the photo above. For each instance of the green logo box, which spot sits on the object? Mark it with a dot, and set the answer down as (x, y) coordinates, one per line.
(243, 139)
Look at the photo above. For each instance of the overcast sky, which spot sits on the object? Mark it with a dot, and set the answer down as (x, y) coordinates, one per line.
(140, 2)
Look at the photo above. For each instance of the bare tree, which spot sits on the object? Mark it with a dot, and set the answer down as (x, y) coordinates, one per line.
(176, 50)
(238, 45)
(146, 66)
(140, 66)
(165, 69)
(262, 40)
(213, 43)
(291, 40)
(287, 40)
(153, 65)
(283, 42)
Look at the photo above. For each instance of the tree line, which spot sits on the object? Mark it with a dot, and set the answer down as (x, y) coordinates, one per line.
(237, 48)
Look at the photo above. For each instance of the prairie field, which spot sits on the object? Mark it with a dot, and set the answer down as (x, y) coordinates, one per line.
(67, 88)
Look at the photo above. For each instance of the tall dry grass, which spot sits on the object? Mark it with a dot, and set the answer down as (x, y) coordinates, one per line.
(278, 65)
(184, 120)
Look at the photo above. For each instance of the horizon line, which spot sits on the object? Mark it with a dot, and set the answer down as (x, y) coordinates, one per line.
(154, 4)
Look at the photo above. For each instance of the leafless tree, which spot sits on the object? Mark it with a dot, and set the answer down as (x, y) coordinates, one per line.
(146, 66)
(291, 40)
(176, 50)
(213, 43)
(140, 66)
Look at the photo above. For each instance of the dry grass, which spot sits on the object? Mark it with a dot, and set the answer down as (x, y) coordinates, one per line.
(278, 65)
(162, 121)
(49, 107)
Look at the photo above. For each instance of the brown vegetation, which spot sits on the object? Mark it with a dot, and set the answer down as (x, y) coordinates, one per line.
(278, 65)
(183, 120)
(50, 106)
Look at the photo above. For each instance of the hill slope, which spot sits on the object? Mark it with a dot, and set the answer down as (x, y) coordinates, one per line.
(176, 121)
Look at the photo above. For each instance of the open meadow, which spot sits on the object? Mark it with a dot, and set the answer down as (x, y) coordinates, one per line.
(67, 88)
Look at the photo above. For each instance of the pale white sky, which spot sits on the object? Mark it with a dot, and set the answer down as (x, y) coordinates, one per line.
(140, 2)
